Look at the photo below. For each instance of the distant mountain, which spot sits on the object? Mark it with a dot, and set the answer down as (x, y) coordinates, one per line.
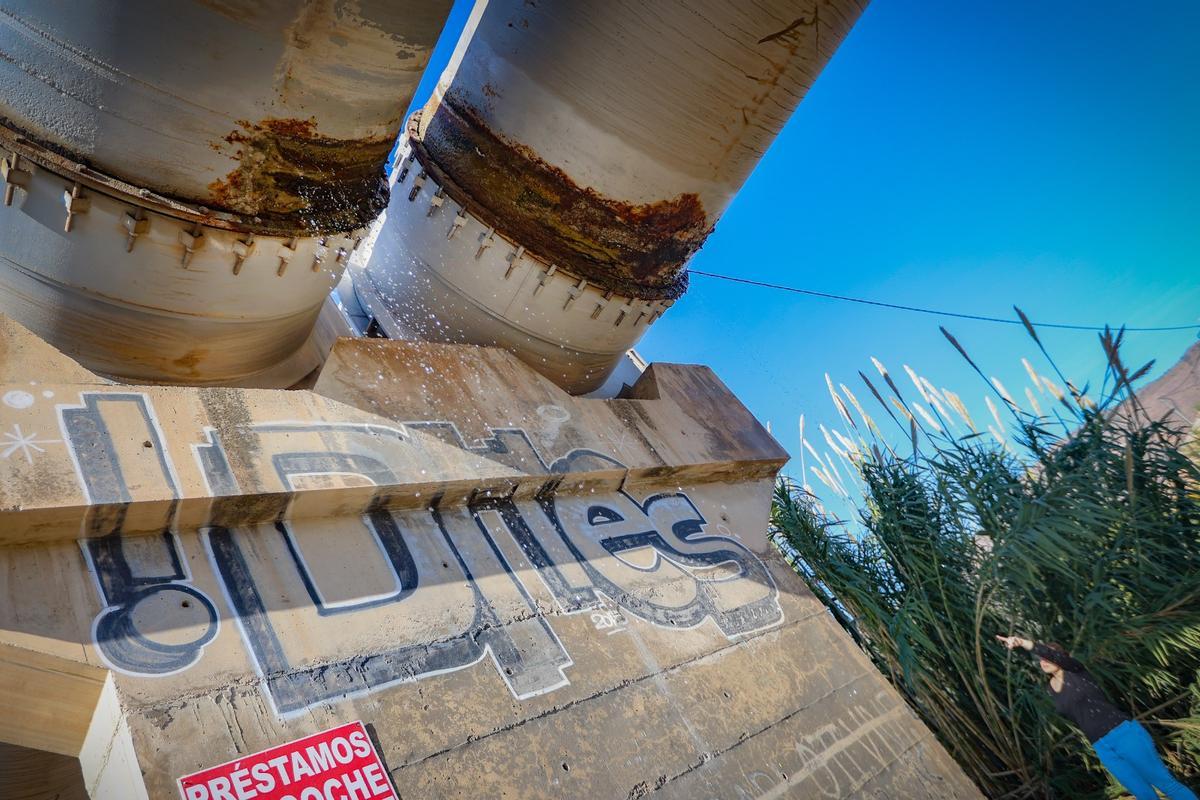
(1176, 395)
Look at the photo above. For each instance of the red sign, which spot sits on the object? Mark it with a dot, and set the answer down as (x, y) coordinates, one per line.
(337, 764)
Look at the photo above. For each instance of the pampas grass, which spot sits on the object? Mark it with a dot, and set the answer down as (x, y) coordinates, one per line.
(1083, 529)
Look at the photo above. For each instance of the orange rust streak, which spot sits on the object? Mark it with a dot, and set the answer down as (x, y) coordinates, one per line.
(636, 249)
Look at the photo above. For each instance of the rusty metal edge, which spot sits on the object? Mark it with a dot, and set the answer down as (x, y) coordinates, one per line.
(482, 213)
(54, 160)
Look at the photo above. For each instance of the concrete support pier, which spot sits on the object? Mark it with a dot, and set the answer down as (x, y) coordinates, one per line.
(518, 592)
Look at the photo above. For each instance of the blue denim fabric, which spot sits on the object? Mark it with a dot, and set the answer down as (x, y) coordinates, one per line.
(1128, 752)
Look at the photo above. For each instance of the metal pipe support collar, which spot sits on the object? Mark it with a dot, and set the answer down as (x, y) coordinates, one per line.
(146, 291)
(437, 270)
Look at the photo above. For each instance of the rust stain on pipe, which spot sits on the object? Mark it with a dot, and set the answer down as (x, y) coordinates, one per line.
(633, 249)
(288, 172)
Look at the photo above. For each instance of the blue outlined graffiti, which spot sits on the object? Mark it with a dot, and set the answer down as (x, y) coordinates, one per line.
(526, 651)
(138, 579)
(651, 557)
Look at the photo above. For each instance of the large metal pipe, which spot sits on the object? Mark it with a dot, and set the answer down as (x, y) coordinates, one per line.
(598, 144)
(184, 180)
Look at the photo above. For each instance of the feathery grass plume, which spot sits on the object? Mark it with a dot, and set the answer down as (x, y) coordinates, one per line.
(829, 441)
(852, 449)
(821, 477)
(812, 451)
(925, 415)
(936, 399)
(837, 476)
(1033, 376)
(960, 408)
(837, 402)
(1083, 529)
(1080, 396)
(1004, 395)
(868, 423)
(995, 413)
(900, 407)
(1052, 387)
(887, 378)
(879, 397)
(916, 381)
(1033, 403)
(962, 351)
(997, 434)
(1028, 325)
(803, 471)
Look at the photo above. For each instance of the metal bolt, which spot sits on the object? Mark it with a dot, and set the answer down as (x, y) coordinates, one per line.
(436, 201)
(418, 182)
(545, 276)
(14, 176)
(136, 224)
(485, 241)
(319, 254)
(408, 160)
(602, 305)
(574, 292)
(460, 219)
(190, 241)
(241, 249)
(513, 258)
(286, 251)
(76, 204)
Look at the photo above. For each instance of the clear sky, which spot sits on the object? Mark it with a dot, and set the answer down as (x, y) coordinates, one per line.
(961, 155)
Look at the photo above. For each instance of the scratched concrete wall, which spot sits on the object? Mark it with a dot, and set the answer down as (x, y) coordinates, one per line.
(521, 593)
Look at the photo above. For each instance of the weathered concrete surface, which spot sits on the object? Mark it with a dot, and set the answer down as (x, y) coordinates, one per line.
(519, 592)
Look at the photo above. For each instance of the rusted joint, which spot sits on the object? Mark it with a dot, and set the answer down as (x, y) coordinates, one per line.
(136, 224)
(26, 151)
(14, 176)
(342, 256)
(242, 248)
(76, 203)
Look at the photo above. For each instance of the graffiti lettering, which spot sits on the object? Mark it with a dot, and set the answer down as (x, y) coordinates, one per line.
(154, 622)
(437, 588)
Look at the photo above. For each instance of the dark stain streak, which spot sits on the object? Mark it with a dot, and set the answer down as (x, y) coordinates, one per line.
(795, 24)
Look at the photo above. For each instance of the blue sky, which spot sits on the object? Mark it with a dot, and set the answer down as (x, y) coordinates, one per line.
(960, 155)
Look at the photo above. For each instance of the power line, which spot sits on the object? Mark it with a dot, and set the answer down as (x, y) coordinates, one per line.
(933, 311)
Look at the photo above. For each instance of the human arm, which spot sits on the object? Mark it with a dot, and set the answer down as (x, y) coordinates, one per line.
(1051, 654)
(1013, 642)
(1059, 657)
